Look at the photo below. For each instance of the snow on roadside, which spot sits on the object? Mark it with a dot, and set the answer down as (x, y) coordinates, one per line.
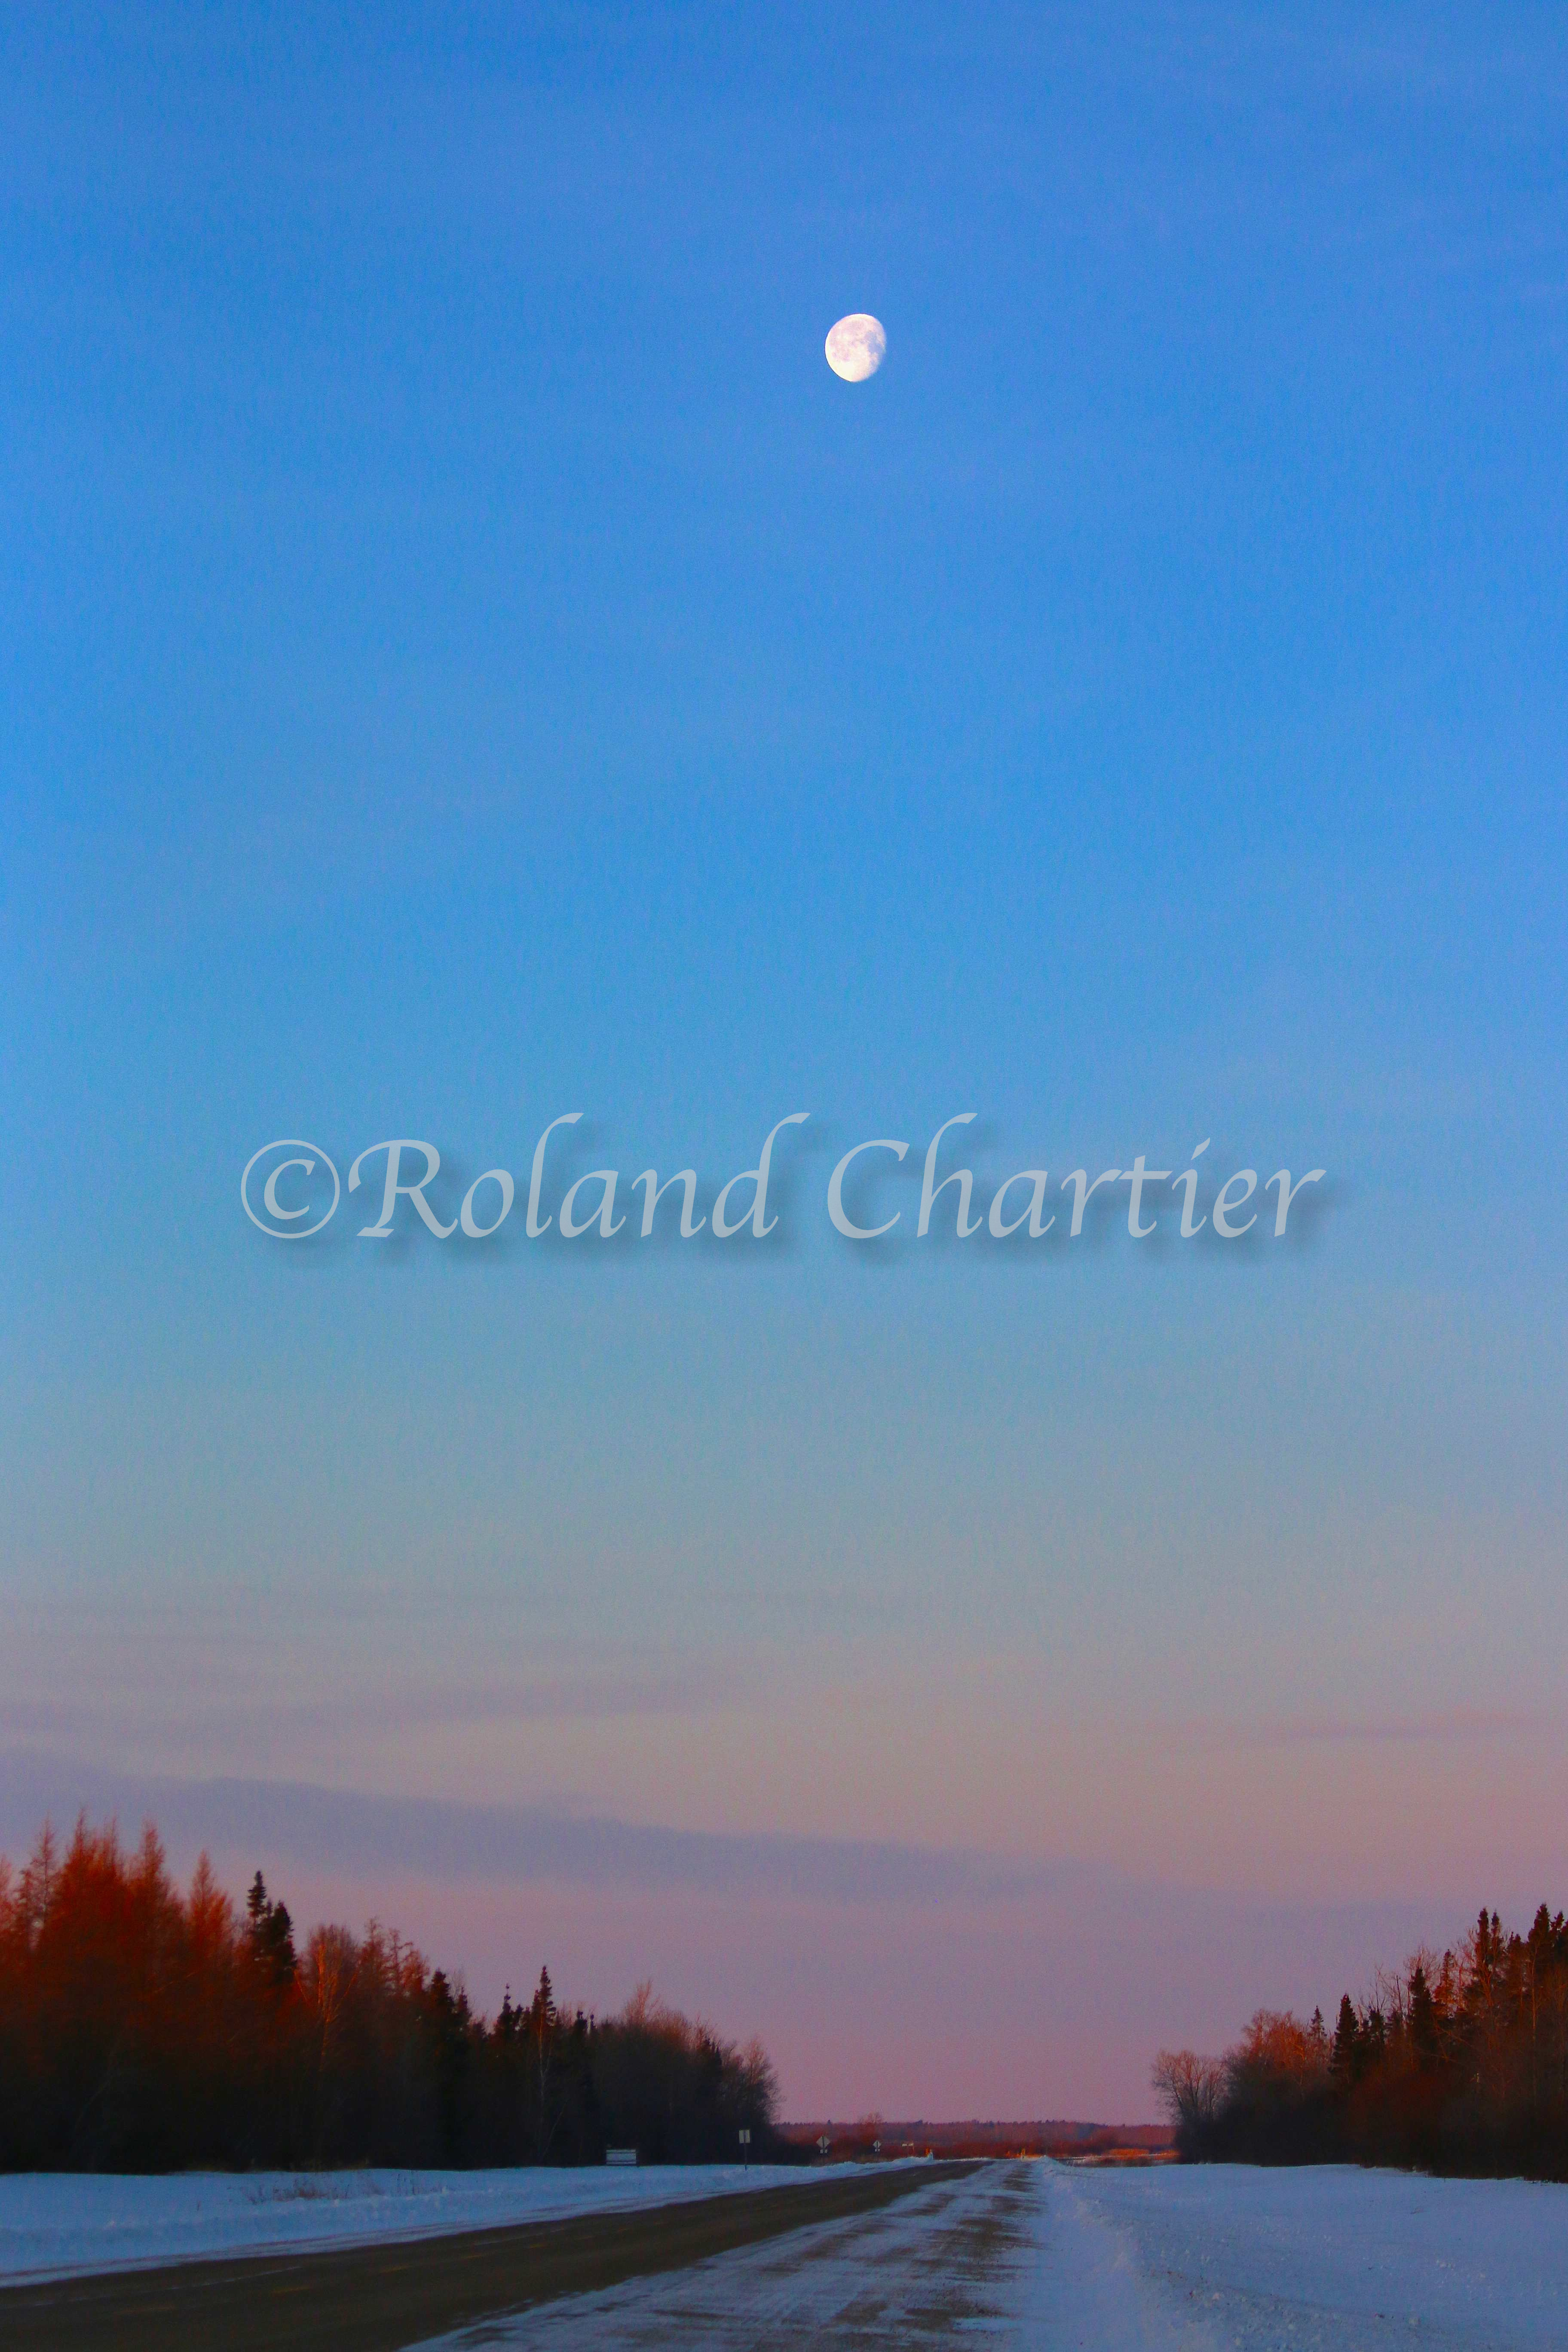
(1089, 2287)
(1240, 2258)
(56, 2224)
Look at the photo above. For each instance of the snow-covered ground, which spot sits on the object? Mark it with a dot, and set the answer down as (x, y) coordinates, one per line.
(1040, 2257)
(54, 2224)
(1046, 2259)
(1239, 2258)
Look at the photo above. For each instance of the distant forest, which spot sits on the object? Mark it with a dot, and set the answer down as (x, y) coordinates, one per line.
(1457, 2064)
(142, 2030)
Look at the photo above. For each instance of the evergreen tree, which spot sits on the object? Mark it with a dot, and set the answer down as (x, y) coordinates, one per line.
(1423, 2020)
(272, 1933)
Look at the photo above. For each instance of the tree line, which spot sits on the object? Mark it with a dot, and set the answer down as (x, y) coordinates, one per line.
(144, 2030)
(1452, 2065)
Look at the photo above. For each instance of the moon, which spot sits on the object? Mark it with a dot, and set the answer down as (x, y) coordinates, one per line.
(855, 346)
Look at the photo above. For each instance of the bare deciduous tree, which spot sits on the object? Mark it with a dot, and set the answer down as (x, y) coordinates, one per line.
(1189, 2087)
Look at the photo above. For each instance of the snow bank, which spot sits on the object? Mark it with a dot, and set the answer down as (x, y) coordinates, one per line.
(1234, 2256)
(52, 2224)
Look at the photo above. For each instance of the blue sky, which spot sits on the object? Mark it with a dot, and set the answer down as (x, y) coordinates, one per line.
(463, 657)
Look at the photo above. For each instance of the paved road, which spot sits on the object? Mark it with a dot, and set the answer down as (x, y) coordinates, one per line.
(382, 2298)
(952, 2264)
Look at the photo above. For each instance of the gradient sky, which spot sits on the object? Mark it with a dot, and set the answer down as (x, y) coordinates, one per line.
(464, 658)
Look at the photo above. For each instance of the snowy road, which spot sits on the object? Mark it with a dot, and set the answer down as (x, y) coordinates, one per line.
(1211, 2259)
(952, 2260)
